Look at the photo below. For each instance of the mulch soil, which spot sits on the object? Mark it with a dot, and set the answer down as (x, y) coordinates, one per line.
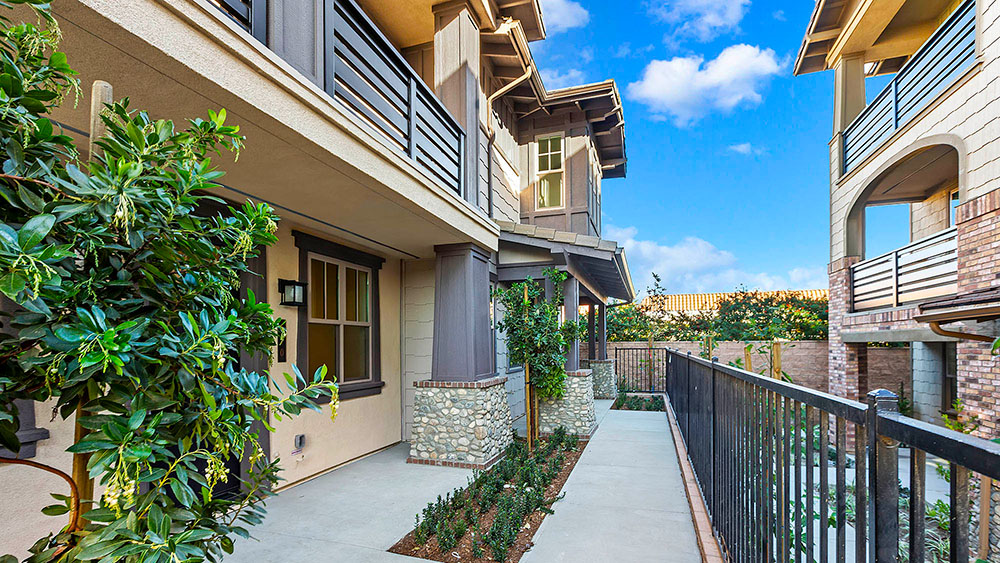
(463, 551)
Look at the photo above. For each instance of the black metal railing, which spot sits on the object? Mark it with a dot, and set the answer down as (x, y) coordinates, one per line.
(641, 369)
(762, 451)
(948, 53)
(365, 73)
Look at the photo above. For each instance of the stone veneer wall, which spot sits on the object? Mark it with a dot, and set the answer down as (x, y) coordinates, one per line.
(575, 411)
(459, 423)
(603, 374)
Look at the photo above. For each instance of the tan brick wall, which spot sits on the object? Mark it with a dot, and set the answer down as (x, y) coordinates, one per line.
(979, 267)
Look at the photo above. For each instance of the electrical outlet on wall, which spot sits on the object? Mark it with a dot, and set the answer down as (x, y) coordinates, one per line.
(298, 443)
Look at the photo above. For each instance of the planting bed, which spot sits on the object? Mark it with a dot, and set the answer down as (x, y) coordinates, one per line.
(495, 516)
(639, 403)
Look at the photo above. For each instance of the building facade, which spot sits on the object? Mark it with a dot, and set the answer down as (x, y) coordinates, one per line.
(928, 139)
(405, 145)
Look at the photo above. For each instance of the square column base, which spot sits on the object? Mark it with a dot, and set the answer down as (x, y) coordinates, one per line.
(463, 424)
(575, 411)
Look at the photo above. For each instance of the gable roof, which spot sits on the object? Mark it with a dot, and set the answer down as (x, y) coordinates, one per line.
(601, 261)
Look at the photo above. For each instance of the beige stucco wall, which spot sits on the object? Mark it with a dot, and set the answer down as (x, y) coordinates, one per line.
(965, 115)
(364, 424)
(24, 491)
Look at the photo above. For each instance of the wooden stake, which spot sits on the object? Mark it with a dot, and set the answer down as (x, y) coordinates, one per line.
(748, 357)
(776, 359)
(985, 516)
(530, 421)
(100, 95)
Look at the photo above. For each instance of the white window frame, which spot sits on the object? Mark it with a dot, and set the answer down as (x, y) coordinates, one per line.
(562, 169)
(341, 320)
(952, 196)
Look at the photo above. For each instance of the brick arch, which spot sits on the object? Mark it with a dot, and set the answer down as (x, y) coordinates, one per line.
(854, 221)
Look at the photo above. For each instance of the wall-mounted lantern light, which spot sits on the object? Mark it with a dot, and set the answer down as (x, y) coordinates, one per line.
(293, 293)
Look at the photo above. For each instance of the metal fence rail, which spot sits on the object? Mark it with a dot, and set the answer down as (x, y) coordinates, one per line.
(641, 369)
(760, 448)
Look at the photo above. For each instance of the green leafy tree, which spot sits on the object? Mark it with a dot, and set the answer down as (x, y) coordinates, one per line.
(535, 335)
(125, 315)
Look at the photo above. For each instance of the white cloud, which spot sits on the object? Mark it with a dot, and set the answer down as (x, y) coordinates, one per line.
(561, 15)
(779, 15)
(625, 50)
(555, 78)
(587, 55)
(687, 88)
(746, 149)
(695, 265)
(702, 19)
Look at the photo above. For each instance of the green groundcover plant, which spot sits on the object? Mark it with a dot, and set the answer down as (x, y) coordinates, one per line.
(123, 311)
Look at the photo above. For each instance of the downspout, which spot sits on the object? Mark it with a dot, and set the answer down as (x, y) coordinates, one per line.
(508, 29)
(936, 329)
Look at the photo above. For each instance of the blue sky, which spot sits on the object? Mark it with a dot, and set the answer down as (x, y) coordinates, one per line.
(727, 176)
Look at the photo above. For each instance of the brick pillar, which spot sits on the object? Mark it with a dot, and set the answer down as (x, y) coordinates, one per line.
(979, 268)
(848, 360)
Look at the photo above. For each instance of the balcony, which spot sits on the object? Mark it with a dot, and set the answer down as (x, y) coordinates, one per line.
(923, 270)
(368, 77)
(949, 52)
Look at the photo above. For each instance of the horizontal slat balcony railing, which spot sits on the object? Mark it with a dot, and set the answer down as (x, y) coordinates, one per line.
(251, 15)
(948, 53)
(922, 270)
(792, 474)
(368, 76)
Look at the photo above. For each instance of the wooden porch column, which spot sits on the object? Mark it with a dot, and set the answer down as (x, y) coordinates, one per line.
(602, 332)
(456, 79)
(849, 91)
(462, 348)
(591, 337)
(571, 308)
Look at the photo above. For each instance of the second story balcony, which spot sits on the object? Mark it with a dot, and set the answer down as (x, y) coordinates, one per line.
(949, 52)
(919, 271)
(365, 73)
(927, 46)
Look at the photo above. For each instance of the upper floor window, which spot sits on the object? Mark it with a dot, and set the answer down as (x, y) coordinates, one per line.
(953, 208)
(340, 328)
(550, 172)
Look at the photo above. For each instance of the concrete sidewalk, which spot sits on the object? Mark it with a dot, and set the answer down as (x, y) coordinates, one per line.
(352, 514)
(625, 500)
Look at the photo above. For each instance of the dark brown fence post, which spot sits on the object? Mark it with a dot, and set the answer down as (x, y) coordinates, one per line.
(883, 470)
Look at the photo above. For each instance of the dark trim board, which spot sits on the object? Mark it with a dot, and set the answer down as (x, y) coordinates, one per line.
(28, 434)
(307, 243)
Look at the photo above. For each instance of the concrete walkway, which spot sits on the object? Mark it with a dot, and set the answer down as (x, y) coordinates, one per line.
(353, 514)
(625, 500)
